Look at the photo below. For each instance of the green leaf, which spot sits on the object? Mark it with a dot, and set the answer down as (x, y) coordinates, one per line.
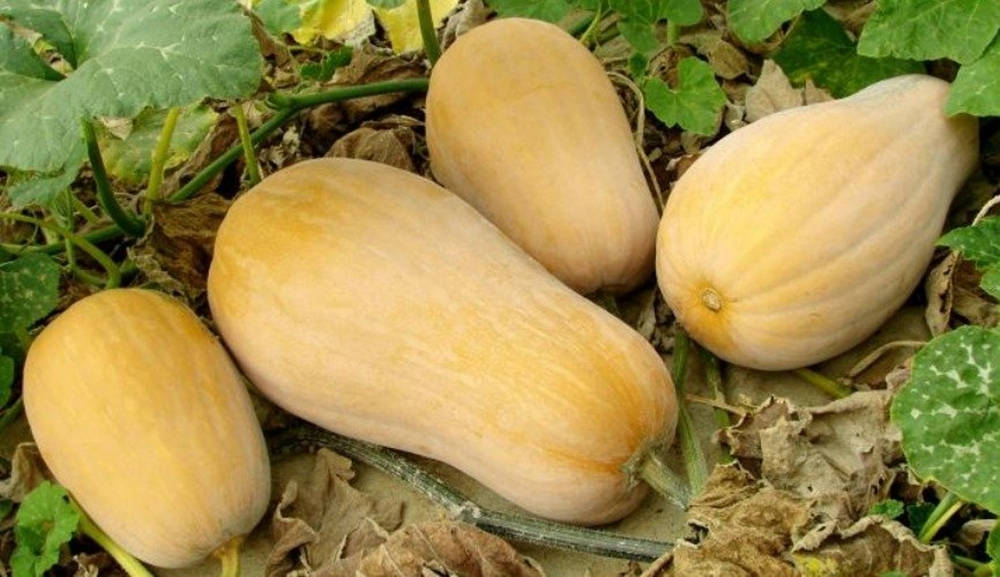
(917, 515)
(894, 574)
(43, 189)
(817, 48)
(278, 16)
(6, 380)
(29, 290)
(323, 71)
(890, 508)
(640, 35)
(386, 4)
(931, 29)
(949, 414)
(46, 521)
(756, 20)
(548, 10)
(993, 549)
(696, 102)
(158, 53)
(51, 25)
(682, 12)
(981, 245)
(129, 159)
(17, 56)
(976, 89)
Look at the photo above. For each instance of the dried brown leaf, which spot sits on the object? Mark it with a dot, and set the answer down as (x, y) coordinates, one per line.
(771, 93)
(468, 16)
(836, 456)
(446, 548)
(725, 59)
(223, 136)
(177, 251)
(393, 146)
(27, 470)
(327, 525)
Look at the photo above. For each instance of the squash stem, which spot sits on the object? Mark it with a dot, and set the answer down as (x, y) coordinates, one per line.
(517, 527)
(431, 46)
(288, 105)
(130, 564)
(663, 480)
(695, 463)
(944, 511)
(249, 157)
(159, 160)
(126, 221)
(823, 383)
(229, 556)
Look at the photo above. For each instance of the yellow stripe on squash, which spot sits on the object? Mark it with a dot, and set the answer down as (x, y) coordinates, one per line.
(141, 415)
(377, 304)
(523, 123)
(793, 239)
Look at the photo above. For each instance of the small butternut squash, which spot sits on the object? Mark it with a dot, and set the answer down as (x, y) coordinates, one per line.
(523, 124)
(378, 305)
(794, 238)
(141, 415)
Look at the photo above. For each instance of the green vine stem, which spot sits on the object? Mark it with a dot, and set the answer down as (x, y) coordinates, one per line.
(823, 383)
(105, 198)
(84, 210)
(713, 374)
(431, 46)
(587, 39)
(159, 160)
(977, 568)
(580, 26)
(944, 511)
(11, 413)
(287, 106)
(229, 556)
(78, 272)
(694, 458)
(517, 527)
(673, 33)
(109, 266)
(98, 236)
(130, 564)
(249, 157)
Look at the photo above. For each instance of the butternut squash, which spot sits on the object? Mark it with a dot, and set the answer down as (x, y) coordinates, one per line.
(141, 415)
(523, 123)
(378, 305)
(794, 238)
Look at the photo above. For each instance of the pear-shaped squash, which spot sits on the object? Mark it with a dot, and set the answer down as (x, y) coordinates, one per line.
(140, 414)
(377, 304)
(523, 123)
(793, 239)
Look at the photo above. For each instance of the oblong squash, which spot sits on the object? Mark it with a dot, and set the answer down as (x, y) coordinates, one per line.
(523, 123)
(793, 239)
(377, 304)
(140, 414)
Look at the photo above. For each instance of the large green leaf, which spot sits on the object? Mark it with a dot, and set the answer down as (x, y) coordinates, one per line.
(949, 414)
(29, 290)
(130, 54)
(548, 10)
(46, 521)
(976, 89)
(756, 20)
(931, 29)
(817, 48)
(981, 245)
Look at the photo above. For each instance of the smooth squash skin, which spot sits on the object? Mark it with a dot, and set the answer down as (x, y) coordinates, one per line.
(139, 412)
(378, 305)
(523, 123)
(793, 239)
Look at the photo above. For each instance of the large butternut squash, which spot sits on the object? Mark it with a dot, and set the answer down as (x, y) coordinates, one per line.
(523, 123)
(793, 239)
(140, 414)
(377, 304)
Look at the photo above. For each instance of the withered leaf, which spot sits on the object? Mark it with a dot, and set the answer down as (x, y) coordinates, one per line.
(836, 455)
(222, 137)
(27, 471)
(326, 524)
(392, 145)
(771, 93)
(177, 251)
(446, 548)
